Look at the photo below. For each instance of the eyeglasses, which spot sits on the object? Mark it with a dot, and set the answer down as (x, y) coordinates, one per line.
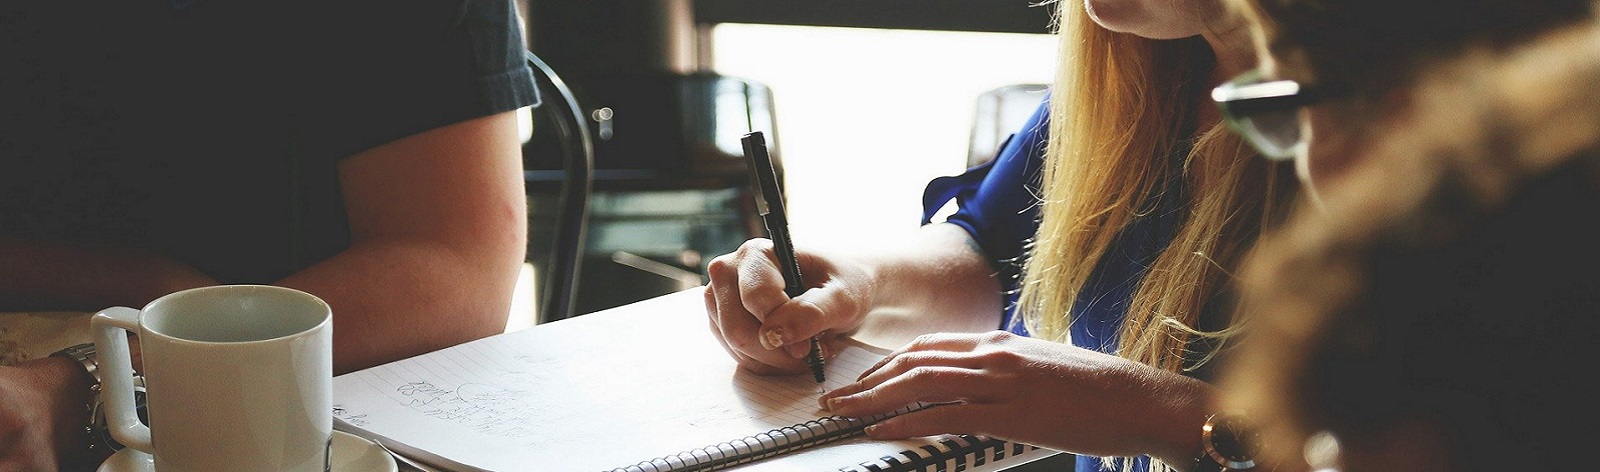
(1267, 112)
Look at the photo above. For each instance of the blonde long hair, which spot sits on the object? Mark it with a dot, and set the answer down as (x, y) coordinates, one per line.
(1121, 105)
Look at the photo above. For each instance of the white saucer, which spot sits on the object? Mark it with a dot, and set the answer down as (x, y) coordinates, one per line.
(351, 453)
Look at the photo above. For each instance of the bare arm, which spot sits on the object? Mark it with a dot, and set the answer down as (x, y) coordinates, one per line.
(438, 226)
(937, 282)
(56, 276)
(42, 417)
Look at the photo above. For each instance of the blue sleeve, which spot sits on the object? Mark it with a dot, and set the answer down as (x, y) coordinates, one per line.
(998, 203)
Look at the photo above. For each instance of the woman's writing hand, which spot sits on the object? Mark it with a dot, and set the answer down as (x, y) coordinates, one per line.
(766, 331)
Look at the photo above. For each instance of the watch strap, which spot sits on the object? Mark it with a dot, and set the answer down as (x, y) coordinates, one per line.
(83, 354)
(95, 434)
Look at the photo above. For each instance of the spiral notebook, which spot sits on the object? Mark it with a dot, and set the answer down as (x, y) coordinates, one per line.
(946, 454)
(639, 388)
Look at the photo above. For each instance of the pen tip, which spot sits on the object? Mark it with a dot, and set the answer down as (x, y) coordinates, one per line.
(816, 367)
(814, 359)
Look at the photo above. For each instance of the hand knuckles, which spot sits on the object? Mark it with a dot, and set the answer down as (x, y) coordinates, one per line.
(722, 267)
(998, 337)
(1002, 358)
(928, 373)
(923, 341)
(923, 358)
(755, 245)
(904, 362)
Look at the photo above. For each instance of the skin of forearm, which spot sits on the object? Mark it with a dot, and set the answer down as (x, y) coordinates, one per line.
(48, 395)
(56, 276)
(935, 282)
(398, 299)
(431, 264)
(1175, 426)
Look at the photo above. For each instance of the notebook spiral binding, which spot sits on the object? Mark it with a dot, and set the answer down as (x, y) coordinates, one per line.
(954, 453)
(764, 445)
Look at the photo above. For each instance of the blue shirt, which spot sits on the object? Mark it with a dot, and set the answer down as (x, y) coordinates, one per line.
(998, 205)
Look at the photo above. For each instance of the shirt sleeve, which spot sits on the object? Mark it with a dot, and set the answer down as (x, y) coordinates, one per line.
(997, 203)
(400, 68)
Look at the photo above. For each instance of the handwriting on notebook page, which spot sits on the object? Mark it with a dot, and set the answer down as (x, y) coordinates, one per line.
(596, 392)
(476, 388)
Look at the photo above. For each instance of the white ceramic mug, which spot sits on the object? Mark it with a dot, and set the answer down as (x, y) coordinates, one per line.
(237, 378)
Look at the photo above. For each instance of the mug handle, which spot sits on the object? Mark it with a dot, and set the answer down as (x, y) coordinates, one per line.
(116, 367)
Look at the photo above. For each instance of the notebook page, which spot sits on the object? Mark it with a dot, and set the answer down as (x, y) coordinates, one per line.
(590, 393)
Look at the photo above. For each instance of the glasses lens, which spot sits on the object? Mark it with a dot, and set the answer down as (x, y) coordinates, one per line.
(1276, 134)
(1265, 112)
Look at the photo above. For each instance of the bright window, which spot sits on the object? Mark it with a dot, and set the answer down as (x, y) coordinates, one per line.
(866, 117)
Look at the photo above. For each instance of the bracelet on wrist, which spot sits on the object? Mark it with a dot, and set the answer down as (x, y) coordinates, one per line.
(97, 436)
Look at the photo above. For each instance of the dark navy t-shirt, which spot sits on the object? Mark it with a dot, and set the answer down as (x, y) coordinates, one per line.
(210, 130)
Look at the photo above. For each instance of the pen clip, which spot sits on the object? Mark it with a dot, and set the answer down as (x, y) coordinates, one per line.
(757, 161)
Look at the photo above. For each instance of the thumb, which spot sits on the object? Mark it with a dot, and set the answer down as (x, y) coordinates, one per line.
(830, 307)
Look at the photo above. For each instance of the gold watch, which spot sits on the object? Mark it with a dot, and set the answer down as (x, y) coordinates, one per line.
(1229, 442)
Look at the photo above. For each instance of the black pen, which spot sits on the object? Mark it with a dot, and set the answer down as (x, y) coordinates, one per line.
(769, 205)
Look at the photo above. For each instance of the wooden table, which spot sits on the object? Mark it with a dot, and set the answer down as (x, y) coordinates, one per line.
(31, 335)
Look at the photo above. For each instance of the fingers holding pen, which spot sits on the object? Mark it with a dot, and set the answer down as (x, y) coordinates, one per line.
(757, 321)
(734, 326)
(756, 275)
(836, 301)
(821, 311)
(746, 362)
